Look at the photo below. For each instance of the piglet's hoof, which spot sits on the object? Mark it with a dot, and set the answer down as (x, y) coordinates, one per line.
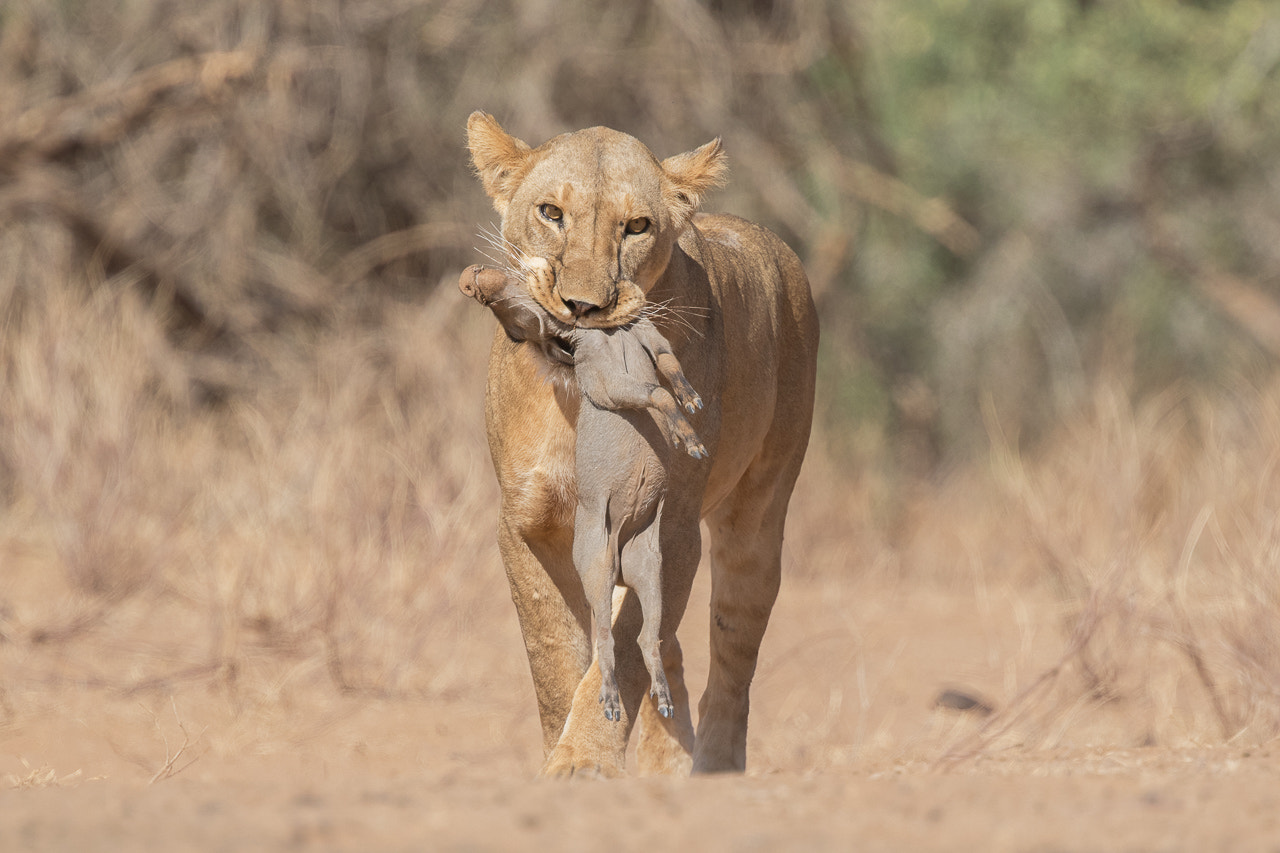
(612, 706)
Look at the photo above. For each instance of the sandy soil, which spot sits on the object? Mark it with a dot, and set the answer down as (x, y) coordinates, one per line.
(847, 748)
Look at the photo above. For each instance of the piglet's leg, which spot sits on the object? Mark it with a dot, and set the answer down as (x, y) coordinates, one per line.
(626, 391)
(642, 570)
(670, 369)
(661, 401)
(668, 365)
(595, 554)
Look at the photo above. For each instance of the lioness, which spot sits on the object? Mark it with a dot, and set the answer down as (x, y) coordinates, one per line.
(618, 228)
(620, 462)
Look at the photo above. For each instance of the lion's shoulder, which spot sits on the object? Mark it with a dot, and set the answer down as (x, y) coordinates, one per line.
(739, 253)
(727, 233)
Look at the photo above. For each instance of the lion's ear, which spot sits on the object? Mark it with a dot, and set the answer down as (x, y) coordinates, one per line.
(692, 175)
(500, 159)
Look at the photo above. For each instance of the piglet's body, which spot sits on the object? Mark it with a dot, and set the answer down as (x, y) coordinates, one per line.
(628, 426)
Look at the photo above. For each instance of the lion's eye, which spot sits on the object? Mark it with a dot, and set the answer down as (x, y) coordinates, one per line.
(639, 225)
(550, 212)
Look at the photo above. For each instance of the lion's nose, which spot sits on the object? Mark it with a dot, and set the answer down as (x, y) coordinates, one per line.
(579, 308)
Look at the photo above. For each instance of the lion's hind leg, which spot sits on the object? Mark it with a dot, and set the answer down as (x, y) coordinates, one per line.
(746, 565)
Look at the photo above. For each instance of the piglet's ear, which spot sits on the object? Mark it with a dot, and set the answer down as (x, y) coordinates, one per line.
(691, 175)
(500, 159)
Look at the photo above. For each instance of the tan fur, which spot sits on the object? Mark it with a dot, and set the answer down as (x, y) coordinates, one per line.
(740, 319)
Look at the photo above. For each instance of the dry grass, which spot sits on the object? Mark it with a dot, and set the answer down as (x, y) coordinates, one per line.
(1119, 577)
(1155, 529)
(42, 777)
(338, 513)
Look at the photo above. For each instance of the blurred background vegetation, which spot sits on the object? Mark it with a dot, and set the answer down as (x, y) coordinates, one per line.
(997, 201)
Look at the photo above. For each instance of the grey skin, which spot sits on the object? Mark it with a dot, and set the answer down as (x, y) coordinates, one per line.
(621, 459)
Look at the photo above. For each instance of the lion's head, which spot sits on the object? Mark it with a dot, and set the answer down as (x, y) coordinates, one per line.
(598, 206)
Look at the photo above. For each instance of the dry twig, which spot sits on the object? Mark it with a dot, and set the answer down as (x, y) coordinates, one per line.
(170, 767)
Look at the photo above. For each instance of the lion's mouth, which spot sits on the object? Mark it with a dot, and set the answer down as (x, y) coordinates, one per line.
(609, 316)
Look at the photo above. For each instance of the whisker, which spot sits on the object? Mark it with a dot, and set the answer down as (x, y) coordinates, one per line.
(500, 263)
(674, 321)
(677, 315)
(495, 245)
(669, 305)
(491, 235)
(685, 323)
(686, 310)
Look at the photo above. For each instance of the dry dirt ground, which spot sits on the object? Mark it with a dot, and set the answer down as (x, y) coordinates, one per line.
(847, 750)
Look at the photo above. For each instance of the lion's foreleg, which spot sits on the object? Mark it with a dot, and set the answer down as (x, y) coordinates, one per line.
(591, 744)
(553, 613)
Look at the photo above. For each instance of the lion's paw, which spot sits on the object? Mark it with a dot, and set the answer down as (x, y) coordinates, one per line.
(563, 764)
